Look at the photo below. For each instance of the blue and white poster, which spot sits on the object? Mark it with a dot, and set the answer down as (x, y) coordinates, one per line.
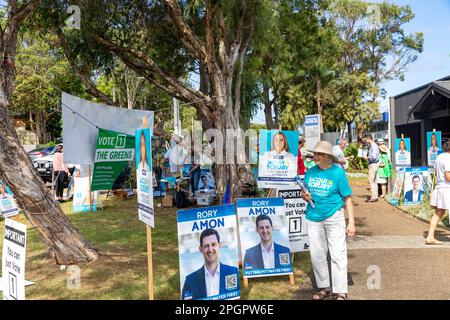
(403, 152)
(144, 175)
(434, 140)
(8, 206)
(312, 130)
(278, 151)
(208, 253)
(264, 237)
(416, 184)
(82, 200)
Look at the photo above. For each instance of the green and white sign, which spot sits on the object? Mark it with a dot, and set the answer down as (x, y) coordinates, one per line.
(114, 151)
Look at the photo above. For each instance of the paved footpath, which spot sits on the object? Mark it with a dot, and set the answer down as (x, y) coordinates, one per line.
(391, 242)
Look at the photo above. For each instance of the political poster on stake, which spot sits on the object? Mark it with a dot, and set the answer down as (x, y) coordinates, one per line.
(434, 140)
(144, 176)
(208, 249)
(13, 260)
(295, 210)
(278, 151)
(402, 152)
(263, 230)
(416, 184)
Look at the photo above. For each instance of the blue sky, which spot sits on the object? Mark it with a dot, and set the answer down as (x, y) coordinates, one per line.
(432, 17)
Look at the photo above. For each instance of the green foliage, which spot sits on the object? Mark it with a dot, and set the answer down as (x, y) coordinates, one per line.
(356, 163)
(41, 73)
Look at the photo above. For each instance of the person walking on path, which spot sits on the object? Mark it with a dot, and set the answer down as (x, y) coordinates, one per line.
(61, 172)
(373, 158)
(384, 171)
(440, 197)
(328, 191)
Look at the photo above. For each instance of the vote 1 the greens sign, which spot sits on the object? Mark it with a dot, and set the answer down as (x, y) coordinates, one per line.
(114, 151)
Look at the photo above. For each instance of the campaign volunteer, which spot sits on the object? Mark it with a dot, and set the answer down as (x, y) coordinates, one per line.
(329, 191)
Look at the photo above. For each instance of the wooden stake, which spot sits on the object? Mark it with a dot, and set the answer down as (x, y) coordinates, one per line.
(291, 279)
(89, 188)
(149, 243)
(246, 282)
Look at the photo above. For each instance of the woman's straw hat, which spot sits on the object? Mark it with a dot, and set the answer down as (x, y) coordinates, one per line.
(324, 147)
(383, 148)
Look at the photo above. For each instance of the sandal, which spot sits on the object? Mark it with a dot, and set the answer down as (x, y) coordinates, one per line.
(322, 294)
(433, 242)
(341, 296)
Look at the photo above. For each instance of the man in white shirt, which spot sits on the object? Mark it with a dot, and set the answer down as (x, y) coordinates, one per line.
(267, 254)
(338, 151)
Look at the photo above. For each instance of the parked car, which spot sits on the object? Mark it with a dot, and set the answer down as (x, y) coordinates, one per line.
(40, 152)
(44, 166)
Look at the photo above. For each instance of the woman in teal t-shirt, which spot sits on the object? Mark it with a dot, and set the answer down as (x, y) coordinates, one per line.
(329, 192)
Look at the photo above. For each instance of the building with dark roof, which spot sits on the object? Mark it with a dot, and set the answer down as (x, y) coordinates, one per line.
(417, 111)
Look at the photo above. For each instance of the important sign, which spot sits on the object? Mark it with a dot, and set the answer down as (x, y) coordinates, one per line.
(114, 151)
(13, 260)
(295, 210)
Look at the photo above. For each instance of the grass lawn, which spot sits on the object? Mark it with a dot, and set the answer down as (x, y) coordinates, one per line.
(121, 271)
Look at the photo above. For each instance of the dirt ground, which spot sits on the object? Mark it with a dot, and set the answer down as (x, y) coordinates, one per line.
(388, 258)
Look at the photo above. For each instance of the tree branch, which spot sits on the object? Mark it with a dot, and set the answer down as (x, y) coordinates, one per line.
(187, 36)
(91, 88)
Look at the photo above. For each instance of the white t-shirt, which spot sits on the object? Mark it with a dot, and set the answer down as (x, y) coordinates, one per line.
(338, 153)
(442, 165)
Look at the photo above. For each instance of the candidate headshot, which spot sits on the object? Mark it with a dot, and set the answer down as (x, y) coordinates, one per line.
(414, 195)
(434, 143)
(204, 184)
(214, 277)
(280, 146)
(267, 254)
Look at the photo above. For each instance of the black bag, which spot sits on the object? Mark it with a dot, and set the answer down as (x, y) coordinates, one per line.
(181, 199)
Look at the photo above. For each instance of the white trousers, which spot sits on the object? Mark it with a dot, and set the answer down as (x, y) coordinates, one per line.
(329, 234)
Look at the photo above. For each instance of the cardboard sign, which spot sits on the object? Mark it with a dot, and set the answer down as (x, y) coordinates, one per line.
(144, 176)
(278, 152)
(263, 226)
(13, 260)
(416, 183)
(295, 210)
(208, 250)
(8, 206)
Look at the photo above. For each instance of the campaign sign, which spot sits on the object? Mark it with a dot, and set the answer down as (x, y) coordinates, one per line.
(403, 152)
(82, 201)
(416, 183)
(278, 151)
(434, 140)
(8, 206)
(144, 175)
(13, 260)
(264, 230)
(206, 182)
(398, 185)
(114, 151)
(295, 210)
(208, 251)
(312, 130)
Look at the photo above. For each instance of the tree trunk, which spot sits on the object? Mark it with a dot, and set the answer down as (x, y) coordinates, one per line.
(350, 134)
(360, 132)
(268, 107)
(66, 244)
(319, 104)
